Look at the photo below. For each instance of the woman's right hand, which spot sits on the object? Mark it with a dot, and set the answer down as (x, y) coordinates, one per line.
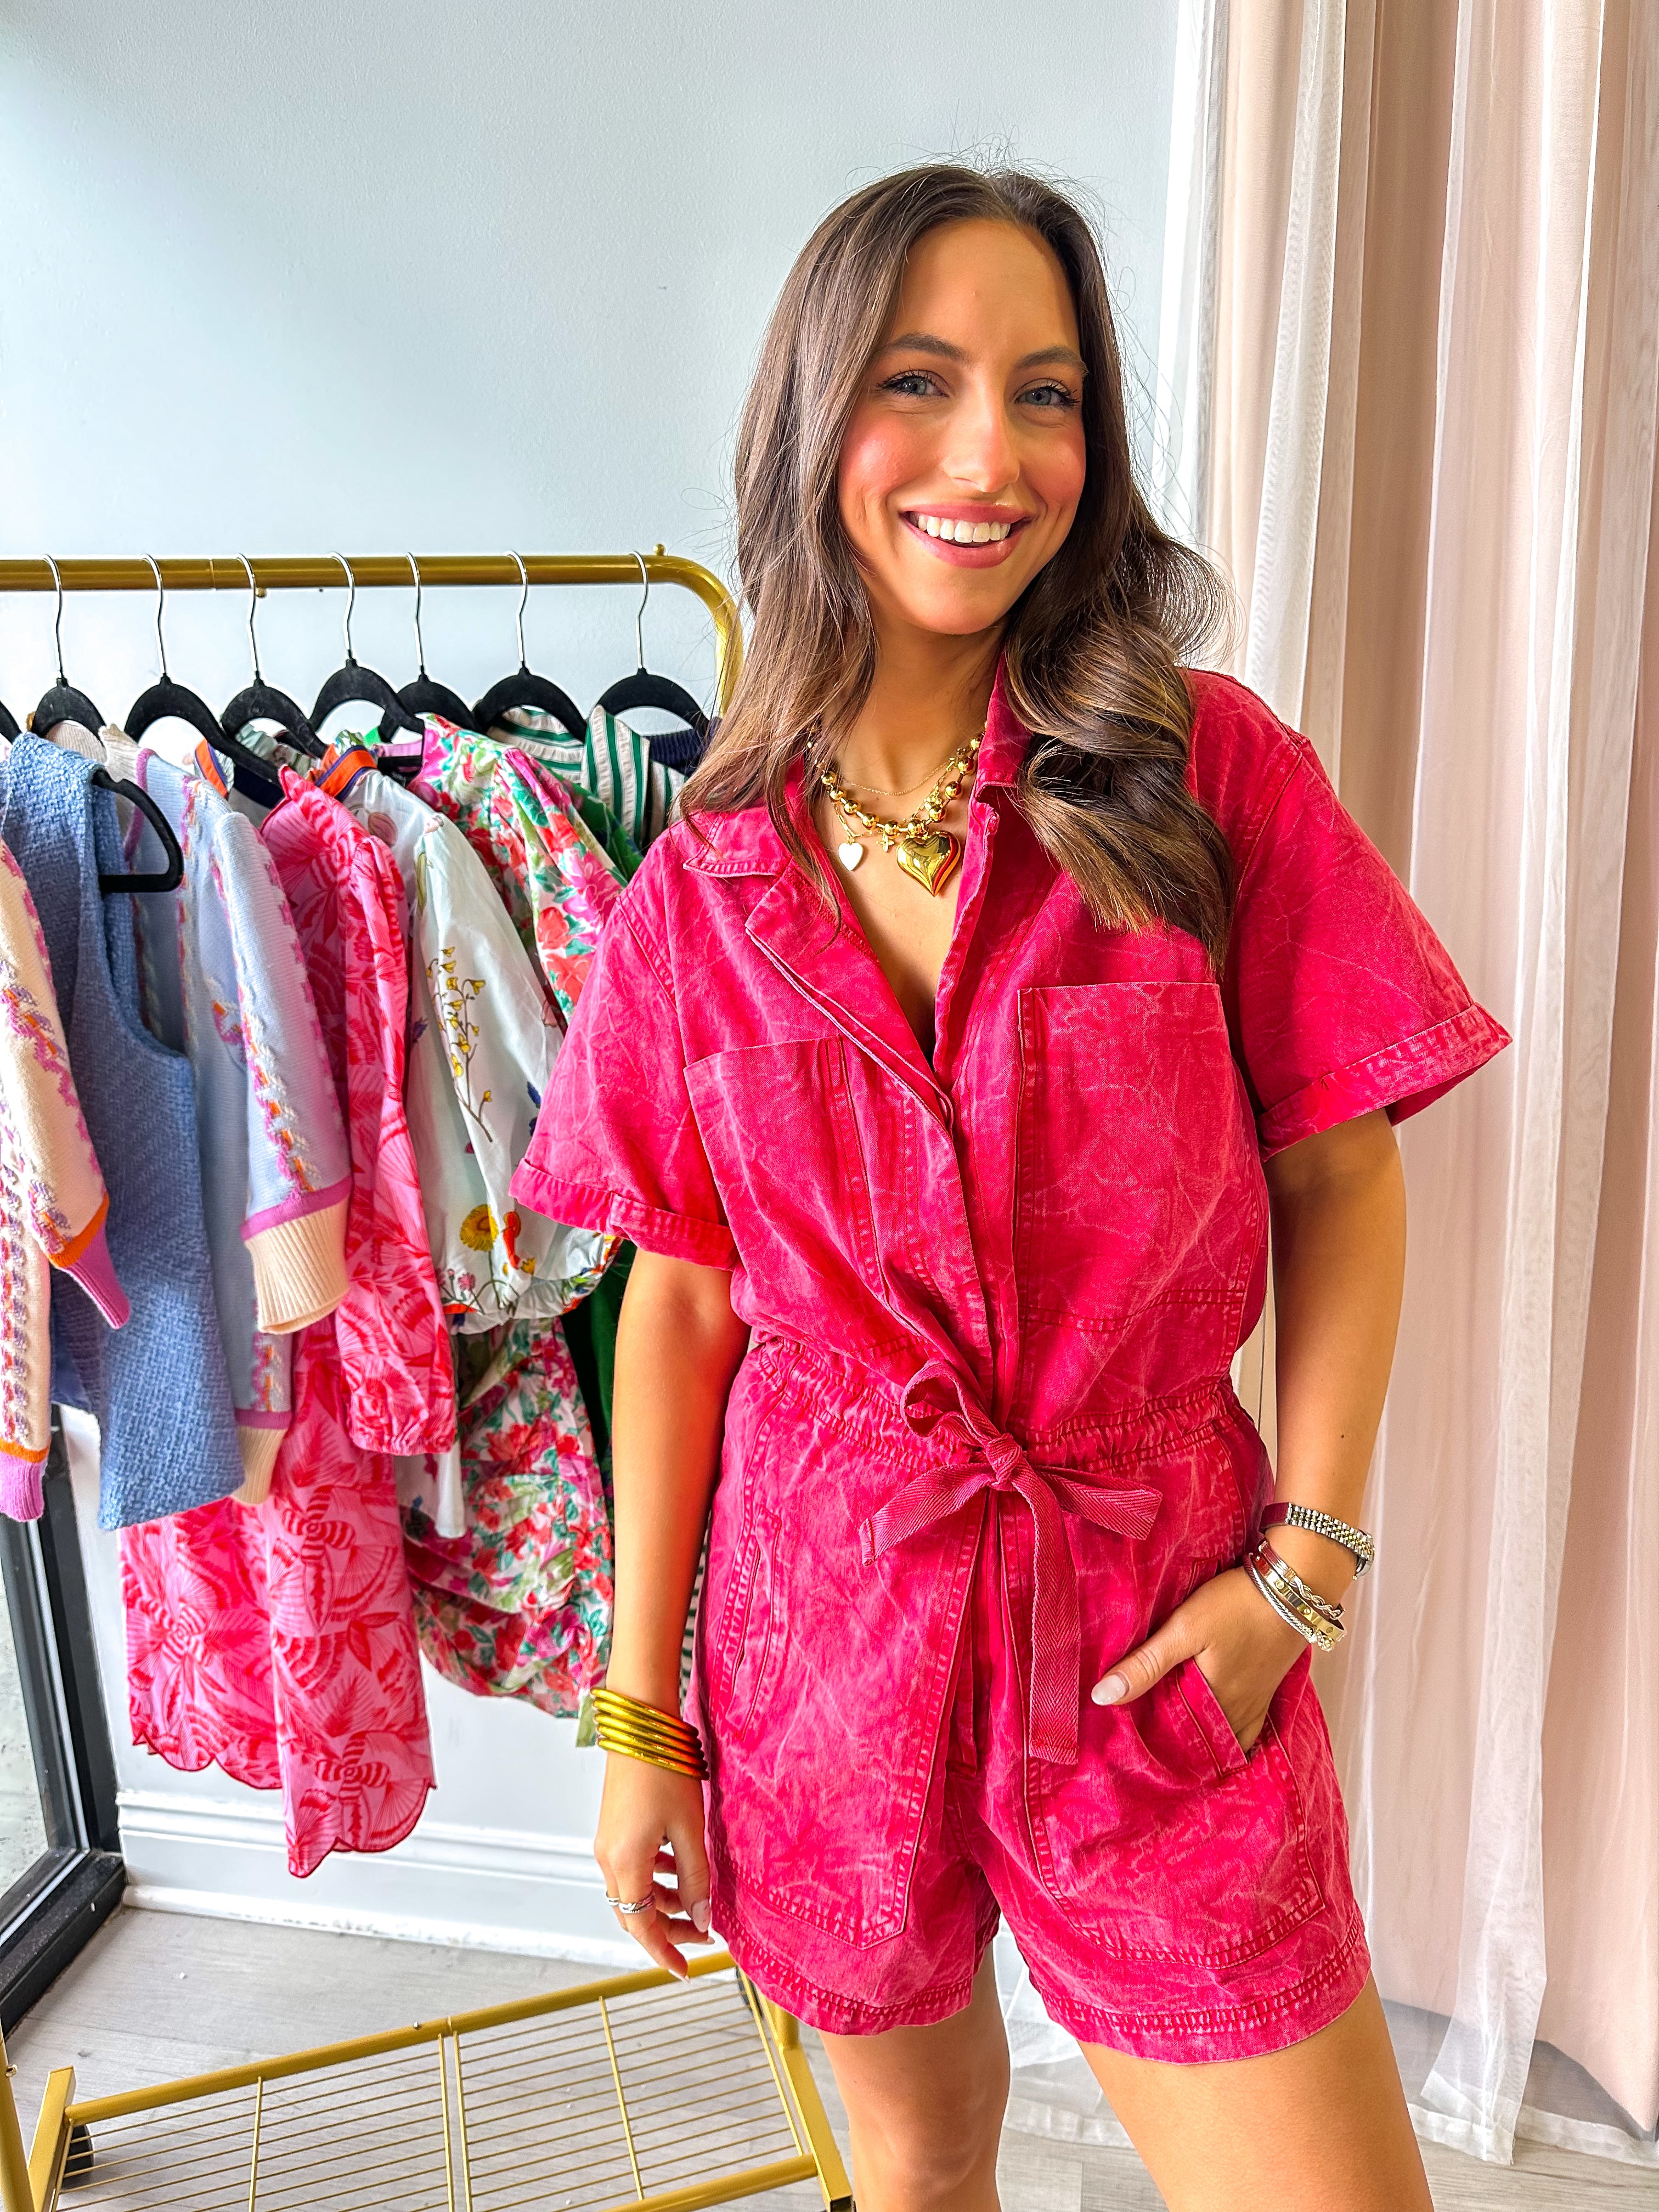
(650, 1844)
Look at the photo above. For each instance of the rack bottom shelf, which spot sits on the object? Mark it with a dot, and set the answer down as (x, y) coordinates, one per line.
(634, 2094)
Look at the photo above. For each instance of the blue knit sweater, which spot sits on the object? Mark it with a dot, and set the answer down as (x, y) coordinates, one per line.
(158, 1386)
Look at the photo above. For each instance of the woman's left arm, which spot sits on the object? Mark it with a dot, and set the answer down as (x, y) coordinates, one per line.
(1339, 1223)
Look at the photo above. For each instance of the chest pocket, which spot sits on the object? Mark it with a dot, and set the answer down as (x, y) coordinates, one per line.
(777, 1126)
(1139, 1185)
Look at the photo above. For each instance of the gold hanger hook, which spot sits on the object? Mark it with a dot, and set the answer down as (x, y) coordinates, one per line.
(420, 643)
(161, 608)
(523, 601)
(352, 606)
(252, 609)
(58, 619)
(639, 615)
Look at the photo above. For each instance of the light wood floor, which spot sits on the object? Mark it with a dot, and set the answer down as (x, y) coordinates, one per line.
(155, 1996)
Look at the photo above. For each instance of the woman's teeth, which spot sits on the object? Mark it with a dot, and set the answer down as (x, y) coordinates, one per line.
(963, 533)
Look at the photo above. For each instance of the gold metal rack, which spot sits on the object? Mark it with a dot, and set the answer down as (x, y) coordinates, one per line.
(385, 571)
(631, 2094)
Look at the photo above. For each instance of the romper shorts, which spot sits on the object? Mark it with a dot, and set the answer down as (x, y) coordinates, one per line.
(1172, 1896)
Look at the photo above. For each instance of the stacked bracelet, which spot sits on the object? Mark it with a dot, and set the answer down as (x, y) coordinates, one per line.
(641, 1731)
(1352, 1540)
(1314, 1619)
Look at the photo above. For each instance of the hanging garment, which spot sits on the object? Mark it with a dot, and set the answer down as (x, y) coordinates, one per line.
(221, 980)
(158, 1386)
(610, 760)
(278, 1641)
(53, 1205)
(558, 883)
(983, 1437)
(483, 1040)
(682, 749)
(525, 827)
(520, 1605)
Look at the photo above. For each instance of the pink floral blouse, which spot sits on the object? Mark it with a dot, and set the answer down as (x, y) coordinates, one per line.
(278, 1641)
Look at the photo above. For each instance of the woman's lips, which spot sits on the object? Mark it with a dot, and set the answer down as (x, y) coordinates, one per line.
(989, 556)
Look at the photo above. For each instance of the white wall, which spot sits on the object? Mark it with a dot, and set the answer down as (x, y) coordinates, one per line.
(458, 276)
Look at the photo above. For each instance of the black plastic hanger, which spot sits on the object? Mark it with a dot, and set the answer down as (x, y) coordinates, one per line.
(63, 702)
(642, 689)
(262, 702)
(173, 874)
(423, 696)
(7, 722)
(525, 690)
(169, 701)
(351, 680)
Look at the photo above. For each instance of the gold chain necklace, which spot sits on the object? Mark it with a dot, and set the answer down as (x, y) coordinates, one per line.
(922, 848)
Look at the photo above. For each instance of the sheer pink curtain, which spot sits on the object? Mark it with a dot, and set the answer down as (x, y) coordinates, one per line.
(1432, 476)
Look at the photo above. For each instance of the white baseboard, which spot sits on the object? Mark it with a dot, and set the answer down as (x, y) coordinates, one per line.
(491, 1889)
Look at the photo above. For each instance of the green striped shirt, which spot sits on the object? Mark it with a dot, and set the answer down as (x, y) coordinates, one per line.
(610, 760)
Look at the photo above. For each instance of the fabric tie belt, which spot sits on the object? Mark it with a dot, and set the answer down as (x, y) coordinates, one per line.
(1000, 1464)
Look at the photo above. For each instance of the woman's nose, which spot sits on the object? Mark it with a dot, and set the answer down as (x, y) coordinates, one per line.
(982, 455)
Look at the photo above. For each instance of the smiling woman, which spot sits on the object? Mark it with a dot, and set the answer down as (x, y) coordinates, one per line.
(944, 353)
(946, 1063)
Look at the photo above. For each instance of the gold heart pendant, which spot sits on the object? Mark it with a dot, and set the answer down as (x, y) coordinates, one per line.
(931, 861)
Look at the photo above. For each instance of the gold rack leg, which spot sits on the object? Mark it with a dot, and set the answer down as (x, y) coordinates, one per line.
(49, 2154)
(17, 2194)
(832, 2174)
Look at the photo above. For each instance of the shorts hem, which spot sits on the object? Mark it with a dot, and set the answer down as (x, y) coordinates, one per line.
(1209, 2032)
(833, 2015)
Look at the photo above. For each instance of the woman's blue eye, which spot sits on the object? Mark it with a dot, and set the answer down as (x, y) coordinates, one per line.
(1054, 395)
(912, 383)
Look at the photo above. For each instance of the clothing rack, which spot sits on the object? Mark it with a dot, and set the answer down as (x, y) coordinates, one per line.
(384, 571)
(753, 2119)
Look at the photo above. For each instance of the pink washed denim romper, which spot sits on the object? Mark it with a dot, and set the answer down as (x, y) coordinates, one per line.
(983, 1438)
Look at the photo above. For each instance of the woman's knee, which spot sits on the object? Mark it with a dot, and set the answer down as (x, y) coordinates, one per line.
(926, 2106)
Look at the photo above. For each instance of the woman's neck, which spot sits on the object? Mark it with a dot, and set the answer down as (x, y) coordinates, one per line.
(929, 693)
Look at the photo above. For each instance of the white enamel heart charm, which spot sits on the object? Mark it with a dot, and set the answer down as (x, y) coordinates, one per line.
(849, 855)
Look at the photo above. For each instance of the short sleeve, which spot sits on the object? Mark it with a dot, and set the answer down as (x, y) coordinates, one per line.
(615, 1144)
(1341, 998)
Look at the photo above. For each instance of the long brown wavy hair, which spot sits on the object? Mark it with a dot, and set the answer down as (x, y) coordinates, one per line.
(1092, 649)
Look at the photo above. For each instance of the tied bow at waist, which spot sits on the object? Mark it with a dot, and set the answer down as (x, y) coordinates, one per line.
(1000, 1464)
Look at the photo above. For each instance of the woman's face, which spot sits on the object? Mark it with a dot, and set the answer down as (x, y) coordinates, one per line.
(963, 461)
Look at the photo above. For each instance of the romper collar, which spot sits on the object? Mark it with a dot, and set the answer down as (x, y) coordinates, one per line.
(1002, 748)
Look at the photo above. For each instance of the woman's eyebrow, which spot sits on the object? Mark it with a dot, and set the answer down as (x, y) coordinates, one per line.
(1054, 357)
(925, 342)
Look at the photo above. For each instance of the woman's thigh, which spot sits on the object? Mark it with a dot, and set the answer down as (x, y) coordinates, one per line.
(926, 2106)
(1323, 2122)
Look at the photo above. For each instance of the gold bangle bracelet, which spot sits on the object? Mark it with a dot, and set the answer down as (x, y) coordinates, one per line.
(640, 1731)
(698, 1773)
(635, 1709)
(620, 1739)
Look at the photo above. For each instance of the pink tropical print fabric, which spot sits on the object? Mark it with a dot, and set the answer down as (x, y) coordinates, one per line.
(389, 1327)
(520, 1606)
(558, 883)
(278, 1641)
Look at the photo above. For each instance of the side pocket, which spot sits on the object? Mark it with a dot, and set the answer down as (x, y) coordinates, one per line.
(1203, 1709)
(757, 1626)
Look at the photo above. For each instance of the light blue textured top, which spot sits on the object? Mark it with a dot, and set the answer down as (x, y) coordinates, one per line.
(158, 1387)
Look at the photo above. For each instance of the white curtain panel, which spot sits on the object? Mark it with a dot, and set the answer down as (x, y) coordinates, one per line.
(1538, 558)
(1533, 597)
(1186, 339)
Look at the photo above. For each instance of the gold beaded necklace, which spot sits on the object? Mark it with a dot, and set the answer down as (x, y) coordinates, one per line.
(922, 848)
